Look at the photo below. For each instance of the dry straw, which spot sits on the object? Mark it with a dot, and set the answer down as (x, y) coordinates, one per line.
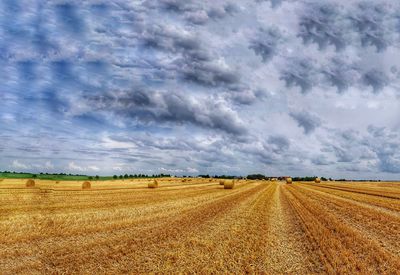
(317, 180)
(229, 184)
(30, 183)
(86, 185)
(153, 184)
(289, 180)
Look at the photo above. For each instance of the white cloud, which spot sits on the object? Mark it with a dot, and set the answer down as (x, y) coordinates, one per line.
(72, 166)
(19, 165)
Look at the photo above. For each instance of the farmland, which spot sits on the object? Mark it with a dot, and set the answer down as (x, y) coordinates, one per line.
(122, 226)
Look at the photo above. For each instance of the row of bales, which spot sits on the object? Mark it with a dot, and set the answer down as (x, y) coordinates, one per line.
(228, 184)
(289, 180)
(154, 184)
(31, 183)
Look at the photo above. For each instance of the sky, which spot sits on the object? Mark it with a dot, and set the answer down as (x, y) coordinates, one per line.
(184, 87)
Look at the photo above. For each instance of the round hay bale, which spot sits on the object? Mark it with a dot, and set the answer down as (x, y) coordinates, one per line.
(86, 185)
(30, 183)
(289, 180)
(153, 184)
(221, 182)
(184, 180)
(57, 182)
(229, 184)
(317, 180)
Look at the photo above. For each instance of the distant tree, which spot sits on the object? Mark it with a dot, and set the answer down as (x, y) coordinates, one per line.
(97, 177)
(115, 177)
(34, 176)
(121, 176)
(126, 176)
(90, 177)
(256, 177)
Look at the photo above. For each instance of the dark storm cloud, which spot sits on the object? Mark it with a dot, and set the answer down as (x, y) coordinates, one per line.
(193, 63)
(170, 107)
(309, 122)
(375, 79)
(337, 72)
(323, 24)
(340, 74)
(373, 22)
(321, 160)
(266, 43)
(365, 23)
(279, 144)
(300, 72)
(195, 12)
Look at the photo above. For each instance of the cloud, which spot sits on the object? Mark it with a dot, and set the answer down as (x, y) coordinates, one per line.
(300, 72)
(266, 43)
(323, 24)
(341, 74)
(170, 107)
(306, 120)
(197, 13)
(273, 3)
(93, 168)
(74, 167)
(375, 79)
(16, 164)
(374, 24)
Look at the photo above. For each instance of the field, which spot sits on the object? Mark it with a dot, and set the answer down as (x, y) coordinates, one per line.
(197, 226)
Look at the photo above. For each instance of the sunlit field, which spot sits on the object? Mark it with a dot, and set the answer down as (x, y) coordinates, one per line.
(195, 225)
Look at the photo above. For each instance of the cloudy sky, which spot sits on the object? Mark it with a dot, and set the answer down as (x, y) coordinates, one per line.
(280, 87)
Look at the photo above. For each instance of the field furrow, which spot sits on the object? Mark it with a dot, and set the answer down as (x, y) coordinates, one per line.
(339, 245)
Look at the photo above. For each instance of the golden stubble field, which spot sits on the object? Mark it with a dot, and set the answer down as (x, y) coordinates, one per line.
(198, 226)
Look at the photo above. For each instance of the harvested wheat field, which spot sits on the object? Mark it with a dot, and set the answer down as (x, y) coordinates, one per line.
(198, 226)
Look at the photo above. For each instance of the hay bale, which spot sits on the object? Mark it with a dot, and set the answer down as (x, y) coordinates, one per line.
(30, 183)
(221, 182)
(57, 182)
(153, 184)
(229, 184)
(289, 180)
(184, 180)
(317, 180)
(86, 185)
